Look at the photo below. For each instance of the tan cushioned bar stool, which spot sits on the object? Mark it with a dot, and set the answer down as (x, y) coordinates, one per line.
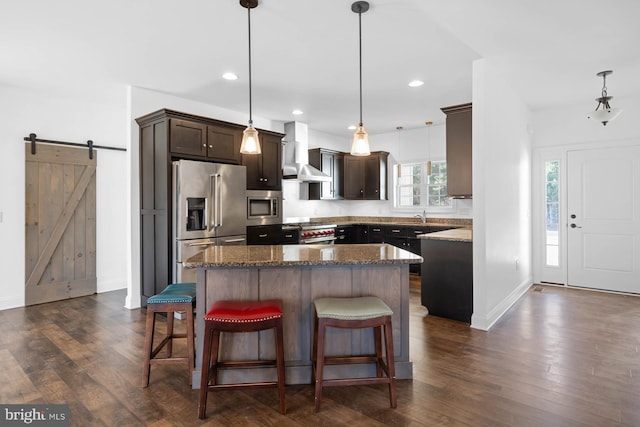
(175, 297)
(239, 316)
(353, 313)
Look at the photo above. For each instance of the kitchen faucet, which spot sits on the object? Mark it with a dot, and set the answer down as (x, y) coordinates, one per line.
(422, 216)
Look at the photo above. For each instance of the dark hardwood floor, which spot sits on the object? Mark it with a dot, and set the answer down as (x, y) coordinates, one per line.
(559, 357)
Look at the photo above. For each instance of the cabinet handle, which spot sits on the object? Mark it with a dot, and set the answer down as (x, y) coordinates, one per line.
(376, 230)
(262, 235)
(210, 146)
(204, 145)
(395, 231)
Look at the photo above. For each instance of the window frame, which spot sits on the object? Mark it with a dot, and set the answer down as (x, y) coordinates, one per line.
(451, 208)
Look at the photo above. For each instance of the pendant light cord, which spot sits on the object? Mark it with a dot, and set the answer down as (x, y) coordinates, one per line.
(250, 103)
(360, 55)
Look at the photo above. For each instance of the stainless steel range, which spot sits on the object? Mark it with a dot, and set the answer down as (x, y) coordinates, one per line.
(320, 234)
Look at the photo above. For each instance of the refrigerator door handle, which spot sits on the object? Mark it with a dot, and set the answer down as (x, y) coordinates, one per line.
(217, 199)
(234, 240)
(201, 244)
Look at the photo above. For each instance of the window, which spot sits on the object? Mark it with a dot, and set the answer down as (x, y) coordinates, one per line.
(415, 188)
(552, 257)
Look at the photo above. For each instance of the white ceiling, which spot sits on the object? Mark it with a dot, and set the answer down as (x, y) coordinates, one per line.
(305, 54)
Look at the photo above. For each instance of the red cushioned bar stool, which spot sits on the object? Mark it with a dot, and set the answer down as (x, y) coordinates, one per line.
(353, 313)
(240, 316)
(177, 297)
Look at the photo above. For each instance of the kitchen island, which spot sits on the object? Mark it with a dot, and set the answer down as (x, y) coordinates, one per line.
(298, 274)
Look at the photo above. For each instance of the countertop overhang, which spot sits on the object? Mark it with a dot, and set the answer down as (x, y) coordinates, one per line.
(301, 255)
(455, 235)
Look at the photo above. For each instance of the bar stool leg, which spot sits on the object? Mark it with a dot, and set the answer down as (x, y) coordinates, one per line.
(169, 345)
(148, 343)
(204, 375)
(319, 355)
(391, 365)
(377, 338)
(280, 363)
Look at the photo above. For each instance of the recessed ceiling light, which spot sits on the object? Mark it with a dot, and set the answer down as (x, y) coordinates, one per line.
(297, 112)
(416, 83)
(230, 76)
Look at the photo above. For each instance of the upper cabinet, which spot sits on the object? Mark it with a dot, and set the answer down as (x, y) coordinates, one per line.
(208, 141)
(459, 143)
(365, 177)
(264, 171)
(332, 163)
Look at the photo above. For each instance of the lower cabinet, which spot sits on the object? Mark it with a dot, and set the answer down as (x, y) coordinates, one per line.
(344, 235)
(447, 278)
(264, 235)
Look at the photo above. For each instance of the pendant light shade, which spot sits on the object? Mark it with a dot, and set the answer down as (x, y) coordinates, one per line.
(606, 113)
(429, 124)
(250, 141)
(360, 144)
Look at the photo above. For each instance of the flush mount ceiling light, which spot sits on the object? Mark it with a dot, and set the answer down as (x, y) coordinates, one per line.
(230, 76)
(250, 142)
(360, 144)
(297, 112)
(416, 83)
(606, 113)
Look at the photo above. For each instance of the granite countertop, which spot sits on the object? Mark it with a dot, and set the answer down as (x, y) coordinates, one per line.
(380, 220)
(454, 235)
(300, 255)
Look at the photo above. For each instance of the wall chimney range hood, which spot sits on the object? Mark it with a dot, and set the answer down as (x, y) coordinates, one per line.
(296, 155)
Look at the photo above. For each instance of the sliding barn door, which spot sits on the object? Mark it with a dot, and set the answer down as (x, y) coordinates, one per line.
(60, 218)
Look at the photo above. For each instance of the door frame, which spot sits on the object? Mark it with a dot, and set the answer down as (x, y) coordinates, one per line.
(541, 272)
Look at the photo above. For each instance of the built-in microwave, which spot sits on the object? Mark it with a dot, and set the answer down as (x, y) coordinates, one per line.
(264, 207)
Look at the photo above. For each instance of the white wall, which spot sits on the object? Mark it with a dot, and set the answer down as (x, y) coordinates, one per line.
(59, 117)
(568, 124)
(408, 145)
(557, 131)
(501, 196)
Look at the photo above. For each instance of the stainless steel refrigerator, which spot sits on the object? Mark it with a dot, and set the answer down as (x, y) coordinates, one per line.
(209, 209)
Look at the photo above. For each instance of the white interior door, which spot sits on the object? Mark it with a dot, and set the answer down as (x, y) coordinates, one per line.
(603, 221)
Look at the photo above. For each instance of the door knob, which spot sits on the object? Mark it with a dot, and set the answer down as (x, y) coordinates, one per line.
(575, 226)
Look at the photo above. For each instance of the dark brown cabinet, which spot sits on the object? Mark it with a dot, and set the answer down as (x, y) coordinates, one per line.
(264, 171)
(365, 177)
(459, 145)
(332, 163)
(264, 234)
(447, 278)
(165, 136)
(209, 142)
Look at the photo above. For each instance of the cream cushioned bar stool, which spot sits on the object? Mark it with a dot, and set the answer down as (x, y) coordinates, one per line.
(240, 316)
(353, 313)
(175, 297)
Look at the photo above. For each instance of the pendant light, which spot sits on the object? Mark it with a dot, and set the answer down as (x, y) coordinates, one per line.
(360, 144)
(429, 124)
(606, 114)
(399, 129)
(250, 142)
